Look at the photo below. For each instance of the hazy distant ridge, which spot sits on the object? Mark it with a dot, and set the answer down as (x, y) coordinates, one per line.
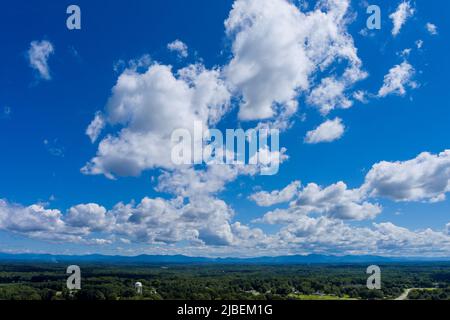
(180, 259)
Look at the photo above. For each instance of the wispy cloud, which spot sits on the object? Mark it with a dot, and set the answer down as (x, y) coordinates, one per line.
(179, 47)
(404, 12)
(431, 28)
(398, 78)
(38, 56)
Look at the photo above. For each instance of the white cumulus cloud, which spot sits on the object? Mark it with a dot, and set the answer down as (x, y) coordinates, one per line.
(277, 48)
(335, 201)
(328, 131)
(148, 107)
(424, 178)
(267, 199)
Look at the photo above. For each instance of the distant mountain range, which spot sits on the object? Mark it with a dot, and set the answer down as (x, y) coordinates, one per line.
(180, 259)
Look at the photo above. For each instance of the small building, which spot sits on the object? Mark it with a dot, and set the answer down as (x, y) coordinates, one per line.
(138, 286)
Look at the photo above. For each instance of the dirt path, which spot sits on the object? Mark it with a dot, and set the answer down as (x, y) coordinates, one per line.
(405, 294)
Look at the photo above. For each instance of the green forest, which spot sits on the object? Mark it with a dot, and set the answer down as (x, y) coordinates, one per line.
(28, 281)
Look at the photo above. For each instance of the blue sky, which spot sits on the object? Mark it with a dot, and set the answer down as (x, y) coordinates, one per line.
(391, 201)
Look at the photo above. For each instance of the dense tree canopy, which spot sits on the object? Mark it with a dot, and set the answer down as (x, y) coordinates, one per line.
(218, 282)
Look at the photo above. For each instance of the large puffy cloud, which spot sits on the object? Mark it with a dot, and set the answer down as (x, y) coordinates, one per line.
(400, 16)
(38, 222)
(34, 218)
(424, 178)
(91, 216)
(328, 131)
(329, 94)
(314, 220)
(276, 49)
(337, 201)
(38, 56)
(194, 215)
(249, 237)
(327, 235)
(334, 201)
(188, 182)
(149, 106)
(267, 199)
(205, 225)
(269, 62)
(393, 239)
(202, 220)
(398, 78)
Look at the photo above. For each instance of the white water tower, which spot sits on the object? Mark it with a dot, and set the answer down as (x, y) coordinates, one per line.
(138, 287)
